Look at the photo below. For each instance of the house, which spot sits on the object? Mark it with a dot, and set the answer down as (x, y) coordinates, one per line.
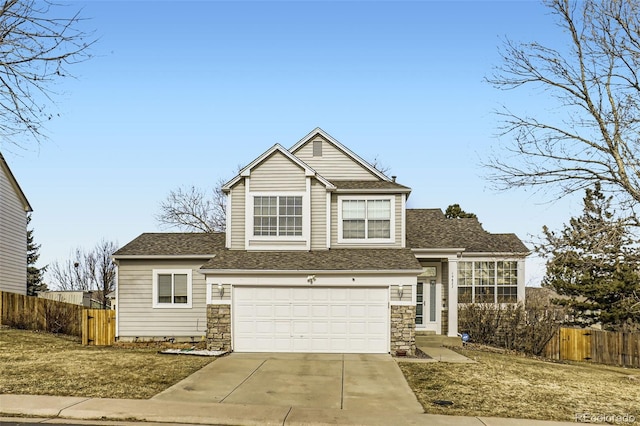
(320, 254)
(14, 208)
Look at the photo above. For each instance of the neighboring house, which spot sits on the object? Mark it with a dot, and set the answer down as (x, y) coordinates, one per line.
(88, 299)
(14, 208)
(320, 255)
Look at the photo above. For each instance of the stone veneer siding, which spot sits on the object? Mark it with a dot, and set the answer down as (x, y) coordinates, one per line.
(219, 327)
(403, 329)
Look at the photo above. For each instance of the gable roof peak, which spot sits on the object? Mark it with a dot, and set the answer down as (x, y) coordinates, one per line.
(355, 157)
(246, 170)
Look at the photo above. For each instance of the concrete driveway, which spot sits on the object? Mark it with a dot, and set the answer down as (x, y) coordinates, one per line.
(338, 381)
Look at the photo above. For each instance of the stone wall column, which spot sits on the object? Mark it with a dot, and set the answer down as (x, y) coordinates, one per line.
(403, 329)
(219, 327)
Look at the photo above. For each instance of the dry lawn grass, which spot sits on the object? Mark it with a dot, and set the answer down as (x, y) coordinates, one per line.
(507, 385)
(45, 364)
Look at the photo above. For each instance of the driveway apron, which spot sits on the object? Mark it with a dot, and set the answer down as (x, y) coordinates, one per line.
(337, 381)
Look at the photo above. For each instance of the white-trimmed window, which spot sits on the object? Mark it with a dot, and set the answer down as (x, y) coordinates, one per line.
(172, 288)
(277, 215)
(366, 219)
(488, 281)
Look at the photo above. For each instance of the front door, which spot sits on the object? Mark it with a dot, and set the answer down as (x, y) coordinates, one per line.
(428, 295)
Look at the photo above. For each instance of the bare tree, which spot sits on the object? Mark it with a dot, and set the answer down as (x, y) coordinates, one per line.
(87, 270)
(36, 46)
(593, 134)
(195, 209)
(377, 164)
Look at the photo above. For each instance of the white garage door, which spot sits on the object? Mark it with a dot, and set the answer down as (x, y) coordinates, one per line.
(310, 319)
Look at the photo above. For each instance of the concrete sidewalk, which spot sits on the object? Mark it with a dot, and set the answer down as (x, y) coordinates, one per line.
(50, 409)
(442, 354)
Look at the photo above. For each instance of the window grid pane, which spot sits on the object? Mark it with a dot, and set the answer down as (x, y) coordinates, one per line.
(354, 209)
(265, 215)
(465, 274)
(507, 273)
(485, 274)
(507, 294)
(379, 229)
(164, 288)
(180, 288)
(353, 229)
(379, 209)
(290, 212)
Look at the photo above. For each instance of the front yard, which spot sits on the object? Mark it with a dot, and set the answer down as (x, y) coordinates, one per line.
(45, 364)
(508, 385)
(498, 385)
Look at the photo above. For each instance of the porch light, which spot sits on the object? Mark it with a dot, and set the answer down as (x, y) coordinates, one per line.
(400, 291)
(220, 290)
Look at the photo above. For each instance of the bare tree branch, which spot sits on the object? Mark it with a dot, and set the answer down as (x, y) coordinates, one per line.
(35, 49)
(194, 209)
(595, 134)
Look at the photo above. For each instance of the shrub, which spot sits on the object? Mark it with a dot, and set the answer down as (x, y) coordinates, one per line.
(510, 326)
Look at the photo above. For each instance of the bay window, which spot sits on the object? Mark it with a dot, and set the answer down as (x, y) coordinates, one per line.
(488, 281)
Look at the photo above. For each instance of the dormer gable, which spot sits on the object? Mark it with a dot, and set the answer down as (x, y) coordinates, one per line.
(282, 156)
(333, 160)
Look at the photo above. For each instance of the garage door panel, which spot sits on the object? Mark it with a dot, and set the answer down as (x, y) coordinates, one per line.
(311, 319)
(300, 311)
(357, 311)
(339, 311)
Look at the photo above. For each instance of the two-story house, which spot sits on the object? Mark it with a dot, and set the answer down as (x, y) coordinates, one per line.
(320, 254)
(14, 208)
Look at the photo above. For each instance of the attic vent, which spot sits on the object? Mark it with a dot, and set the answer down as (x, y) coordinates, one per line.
(317, 148)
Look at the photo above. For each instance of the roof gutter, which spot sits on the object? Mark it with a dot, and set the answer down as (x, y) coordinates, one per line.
(162, 256)
(409, 272)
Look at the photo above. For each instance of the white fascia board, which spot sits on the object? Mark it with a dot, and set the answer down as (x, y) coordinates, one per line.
(162, 256)
(431, 251)
(497, 254)
(342, 148)
(407, 272)
(373, 191)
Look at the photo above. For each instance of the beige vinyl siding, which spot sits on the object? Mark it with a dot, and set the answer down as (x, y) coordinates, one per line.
(334, 225)
(237, 216)
(334, 164)
(13, 239)
(277, 173)
(318, 216)
(137, 317)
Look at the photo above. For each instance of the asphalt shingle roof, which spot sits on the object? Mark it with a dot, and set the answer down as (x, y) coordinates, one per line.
(333, 259)
(369, 184)
(429, 228)
(174, 244)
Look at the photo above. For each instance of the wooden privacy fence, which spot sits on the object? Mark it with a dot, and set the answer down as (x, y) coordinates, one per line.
(98, 327)
(605, 347)
(36, 313)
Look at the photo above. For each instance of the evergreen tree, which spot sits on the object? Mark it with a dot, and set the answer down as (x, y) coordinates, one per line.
(454, 211)
(594, 262)
(34, 274)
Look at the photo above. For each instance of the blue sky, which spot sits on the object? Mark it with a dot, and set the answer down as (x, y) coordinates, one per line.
(181, 93)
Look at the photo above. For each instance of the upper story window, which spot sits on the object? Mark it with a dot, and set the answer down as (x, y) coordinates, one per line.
(366, 219)
(277, 216)
(172, 288)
